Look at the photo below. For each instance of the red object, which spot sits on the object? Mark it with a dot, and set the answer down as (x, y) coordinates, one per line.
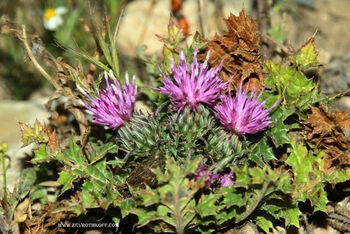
(176, 5)
(183, 24)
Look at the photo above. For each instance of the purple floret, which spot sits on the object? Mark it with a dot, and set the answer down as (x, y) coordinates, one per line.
(227, 179)
(210, 178)
(201, 171)
(243, 114)
(113, 105)
(193, 86)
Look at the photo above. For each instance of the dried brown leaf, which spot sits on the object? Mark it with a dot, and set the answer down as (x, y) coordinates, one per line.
(53, 141)
(21, 212)
(320, 122)
(325, 130)
(143, 173)
(49, 216)
(239, 47)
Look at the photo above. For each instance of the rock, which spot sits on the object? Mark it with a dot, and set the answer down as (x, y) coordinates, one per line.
(4, 91)
(246, 228)
(328, 230)
(278, 230)
(328, 18)
(343, 104)
(323, 56)
(336, 75)
(12, 113)
(211, 20)
(145, 18)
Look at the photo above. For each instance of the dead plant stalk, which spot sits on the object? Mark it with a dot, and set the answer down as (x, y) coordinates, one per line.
(35, 62)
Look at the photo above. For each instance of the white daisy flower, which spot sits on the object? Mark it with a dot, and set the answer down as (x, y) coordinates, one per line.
(53, 18)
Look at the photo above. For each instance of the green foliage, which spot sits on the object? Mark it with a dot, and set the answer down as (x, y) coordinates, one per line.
(3, 159)
(279, 131)
(40, 155)
(261, 195)
(306, 57)
(35, 134)
(296, 93)
(27, 179)
(297, 90)
(308, 176)
(173, 200)
(261, 151)
(41, 194)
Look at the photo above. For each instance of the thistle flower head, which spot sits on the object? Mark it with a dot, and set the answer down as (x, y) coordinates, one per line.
(243, 114)
(192, 85)
(113, 105)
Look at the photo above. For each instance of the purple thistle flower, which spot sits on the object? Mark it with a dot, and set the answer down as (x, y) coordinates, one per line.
(227, 179)
(211, 178)
(243, 114)
(202, 170)
(114, 105)
(192, 86)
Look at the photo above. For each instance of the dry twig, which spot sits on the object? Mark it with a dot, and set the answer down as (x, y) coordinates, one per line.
(35, 62)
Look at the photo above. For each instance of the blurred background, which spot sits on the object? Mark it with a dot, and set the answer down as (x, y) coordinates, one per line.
(291, 22)
(62, 23)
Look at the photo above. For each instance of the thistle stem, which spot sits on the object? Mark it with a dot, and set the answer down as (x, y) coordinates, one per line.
(252, 208)
(35, 62)
(3, 166)
(179, 226)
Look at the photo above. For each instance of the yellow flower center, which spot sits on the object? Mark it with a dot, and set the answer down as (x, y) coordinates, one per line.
(49, 13)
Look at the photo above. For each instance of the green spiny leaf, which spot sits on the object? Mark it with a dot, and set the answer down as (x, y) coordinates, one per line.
(173, 199)
(207, 205)
(40, 155)
(307, 57)
(99, 171)
(292, 216)
(41, 194)
(89, 200)
(27, 179)
(65, 178)
(100, 151)
(264, 222)
(233, 197)
(308, 176)
(74, 154)
(278, 133)
(261, 149)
